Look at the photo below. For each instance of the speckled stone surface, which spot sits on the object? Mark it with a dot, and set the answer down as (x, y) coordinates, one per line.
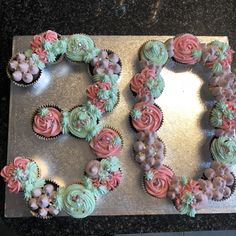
(121, 17)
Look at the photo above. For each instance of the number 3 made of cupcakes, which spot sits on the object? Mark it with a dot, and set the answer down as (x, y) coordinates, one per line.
(217, 182)
(45, 197)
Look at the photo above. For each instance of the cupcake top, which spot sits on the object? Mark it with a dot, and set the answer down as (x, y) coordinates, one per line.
(23, 69)
(223, 149)
(106, 143)
(186, 49)
(157, 181)
(223, 115)
(187, 195)
(103, 95)
(42, 200)
(153, 52)
(46, 122)
(146, 117)
(148, 82)
(223, 86)
(106, 62)
(81, 48)
(222, 180)
(149, 150)
(82, 121)
(217, 56)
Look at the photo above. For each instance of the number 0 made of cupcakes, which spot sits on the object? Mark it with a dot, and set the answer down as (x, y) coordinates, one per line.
(46, 198)
(217, 182)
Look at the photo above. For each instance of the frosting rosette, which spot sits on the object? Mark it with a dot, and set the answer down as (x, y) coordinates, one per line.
(78, 201)
(187, 49)
(153, 53)
(106, 143)
(157, 181)
(46, 122)
(146, 117)
(223, 149)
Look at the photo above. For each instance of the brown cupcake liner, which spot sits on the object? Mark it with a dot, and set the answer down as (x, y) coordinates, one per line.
(32, 122)
(35, 213)
(21, 83)
(143, 183)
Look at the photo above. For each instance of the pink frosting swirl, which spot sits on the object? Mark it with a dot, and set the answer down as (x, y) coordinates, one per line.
(228, 124)
(20, 162)
(183, 48)
(104, 145)
(158, 186)
(138, 81)
(50, 35)
(113, 180)
(36, 42)
(42, 54)
(150, 119)
(48, 125)
(92, 92)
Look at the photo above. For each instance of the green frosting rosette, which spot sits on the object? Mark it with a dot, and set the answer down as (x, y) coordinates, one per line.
(82, 121)
(77, 201)
(156, 86)
(81, 48)
(154, 52)
(223, 149)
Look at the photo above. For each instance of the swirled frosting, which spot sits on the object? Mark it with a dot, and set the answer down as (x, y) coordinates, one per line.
(78, 201)
(81, 48)
(47, 122)
(106, 143)
(187, 49)
(223, 150)
(157, 181)
(154, 52)
(149, 117)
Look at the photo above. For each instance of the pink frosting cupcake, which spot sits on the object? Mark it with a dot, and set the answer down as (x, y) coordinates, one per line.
(146, 117)
(106, 143)
(46, 122)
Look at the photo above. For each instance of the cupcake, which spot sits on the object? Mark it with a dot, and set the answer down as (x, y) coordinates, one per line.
(103, 95)
(146, 117)
(82, 121)
(187, 195)
(157, 181)
(149, 150)
(42, 200)
(105, 62)
(223, 116)
(46, 122)
(217, 56)
(147, 83)
(153, 53)
(80, 48)
(184, 48)
(106, 143)
(223, 149)
(47, 47)
(223, 86)
(103, 176)
(223, 181)
(22, 70)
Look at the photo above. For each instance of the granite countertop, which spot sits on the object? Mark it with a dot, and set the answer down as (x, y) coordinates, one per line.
(111, 17)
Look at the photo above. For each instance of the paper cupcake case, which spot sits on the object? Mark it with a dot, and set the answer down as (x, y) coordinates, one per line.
(32, 122)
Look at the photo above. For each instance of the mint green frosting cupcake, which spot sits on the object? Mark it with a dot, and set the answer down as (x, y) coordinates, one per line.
(81, 48)
(156, 86)
(223, 149)
(82, 121)
(154, 52)
(78, 201)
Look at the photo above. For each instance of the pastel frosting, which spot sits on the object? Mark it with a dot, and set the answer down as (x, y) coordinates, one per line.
(81, 48)
(106, 143)
(78, 201)
(146, 116)
(47, 122)
(157, 181)
(154, 52)
(223, 149)
(83, 121)
(187, 49)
